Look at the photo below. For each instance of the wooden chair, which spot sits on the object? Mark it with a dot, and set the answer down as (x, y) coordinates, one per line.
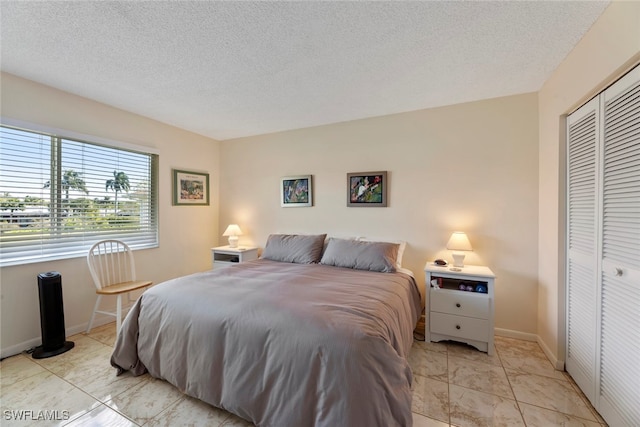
(113, 271)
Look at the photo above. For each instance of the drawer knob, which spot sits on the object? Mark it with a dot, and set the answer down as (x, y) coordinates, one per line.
(457, 326)
(458, 304)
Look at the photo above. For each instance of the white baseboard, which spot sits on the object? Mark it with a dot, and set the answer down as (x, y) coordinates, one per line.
(19, 348)
(509, 333)
(557, 364)
(28, 344)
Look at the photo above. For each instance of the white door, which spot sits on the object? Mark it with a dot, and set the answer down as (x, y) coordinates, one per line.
(603, 250)
(619, 390)
(582, 254)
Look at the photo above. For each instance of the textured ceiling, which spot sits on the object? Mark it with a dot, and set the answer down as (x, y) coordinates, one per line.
(233, 69)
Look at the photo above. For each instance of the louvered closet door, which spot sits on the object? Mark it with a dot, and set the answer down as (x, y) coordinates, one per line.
(619, 391)
(582, 184)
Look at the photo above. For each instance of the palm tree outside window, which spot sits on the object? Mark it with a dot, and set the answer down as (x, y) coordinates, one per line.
(71, 180)
(120, 182)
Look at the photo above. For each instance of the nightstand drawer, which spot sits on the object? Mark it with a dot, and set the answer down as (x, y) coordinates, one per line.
(460, 303)
(223, 264)
(458, 326)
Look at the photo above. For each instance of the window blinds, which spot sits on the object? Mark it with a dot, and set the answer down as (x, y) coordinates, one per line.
(58, 196)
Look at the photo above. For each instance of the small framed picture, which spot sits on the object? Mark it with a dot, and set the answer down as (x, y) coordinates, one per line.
(367, 189)
(190, 188)
(296, 191)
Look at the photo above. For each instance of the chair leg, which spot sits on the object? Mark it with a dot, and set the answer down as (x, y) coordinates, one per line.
(119, 313)
(93, 315)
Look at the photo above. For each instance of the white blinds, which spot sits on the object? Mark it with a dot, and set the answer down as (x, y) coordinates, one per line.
(58, 196)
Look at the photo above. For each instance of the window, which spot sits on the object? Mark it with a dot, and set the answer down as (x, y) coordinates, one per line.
(59, 195)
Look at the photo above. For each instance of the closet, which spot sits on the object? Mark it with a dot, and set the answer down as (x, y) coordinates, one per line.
(603, 250)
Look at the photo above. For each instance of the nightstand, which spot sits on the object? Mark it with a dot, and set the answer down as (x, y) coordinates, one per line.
(456, 314)
(224, 256)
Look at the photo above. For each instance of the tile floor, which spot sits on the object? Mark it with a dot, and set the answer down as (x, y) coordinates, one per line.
(454, 385)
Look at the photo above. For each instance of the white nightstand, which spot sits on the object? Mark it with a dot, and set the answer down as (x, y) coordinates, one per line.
(224, 256)
(457, 315)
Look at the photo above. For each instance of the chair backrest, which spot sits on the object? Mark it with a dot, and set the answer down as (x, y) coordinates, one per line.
(110, 262)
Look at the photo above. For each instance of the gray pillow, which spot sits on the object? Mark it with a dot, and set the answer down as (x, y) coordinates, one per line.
(296, 248)
(360, 255)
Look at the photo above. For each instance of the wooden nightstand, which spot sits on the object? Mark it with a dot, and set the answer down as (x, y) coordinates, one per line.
(224, 256)
(456, 314)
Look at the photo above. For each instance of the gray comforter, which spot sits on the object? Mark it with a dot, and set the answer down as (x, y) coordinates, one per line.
(281, 344)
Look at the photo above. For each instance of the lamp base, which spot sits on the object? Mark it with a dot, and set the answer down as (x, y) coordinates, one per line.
(458, 259)
(233, 241)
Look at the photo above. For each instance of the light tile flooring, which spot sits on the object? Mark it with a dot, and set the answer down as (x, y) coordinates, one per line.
(454, 385)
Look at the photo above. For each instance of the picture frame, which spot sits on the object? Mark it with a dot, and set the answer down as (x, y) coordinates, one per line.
(296, 191)
(367, 189)
(190, 188)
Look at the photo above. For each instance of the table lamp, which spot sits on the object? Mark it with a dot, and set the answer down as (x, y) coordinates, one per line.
(233, 231)
(459, 242)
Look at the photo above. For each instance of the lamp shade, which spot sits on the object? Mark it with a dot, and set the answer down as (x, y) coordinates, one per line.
(459, 242)
(232, 230)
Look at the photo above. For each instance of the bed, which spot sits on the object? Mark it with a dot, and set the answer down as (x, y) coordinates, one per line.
(320, 339)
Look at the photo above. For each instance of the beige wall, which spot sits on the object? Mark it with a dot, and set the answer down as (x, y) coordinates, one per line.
(478, 167)
(604, 53)
(470, 167)
(186, 233)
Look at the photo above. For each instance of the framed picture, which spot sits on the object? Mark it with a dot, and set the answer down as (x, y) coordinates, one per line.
(190, 188)
(367, 189)
(296, 191)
